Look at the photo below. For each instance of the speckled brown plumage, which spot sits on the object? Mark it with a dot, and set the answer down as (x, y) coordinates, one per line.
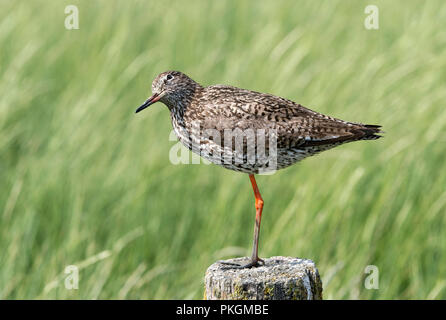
(225, 124)
(300, 132)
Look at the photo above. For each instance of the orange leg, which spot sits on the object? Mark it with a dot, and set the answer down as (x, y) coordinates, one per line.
(259, 207)
(255, 260)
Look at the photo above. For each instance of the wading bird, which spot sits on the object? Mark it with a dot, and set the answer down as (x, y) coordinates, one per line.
(203, 117)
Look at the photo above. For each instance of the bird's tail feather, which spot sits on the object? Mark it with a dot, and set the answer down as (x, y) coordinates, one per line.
(371, 132)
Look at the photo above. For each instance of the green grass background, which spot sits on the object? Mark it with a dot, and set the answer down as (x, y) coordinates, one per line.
(85, 181)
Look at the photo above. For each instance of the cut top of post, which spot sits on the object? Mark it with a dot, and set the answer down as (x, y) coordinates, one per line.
(280, 278)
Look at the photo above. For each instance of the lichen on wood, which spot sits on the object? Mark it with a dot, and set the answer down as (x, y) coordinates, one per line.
(280, 278)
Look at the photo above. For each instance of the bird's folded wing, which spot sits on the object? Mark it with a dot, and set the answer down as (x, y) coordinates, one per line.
(294, 125)
(315, 131)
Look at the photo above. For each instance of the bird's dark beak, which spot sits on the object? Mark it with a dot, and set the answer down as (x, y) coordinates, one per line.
(148, 102)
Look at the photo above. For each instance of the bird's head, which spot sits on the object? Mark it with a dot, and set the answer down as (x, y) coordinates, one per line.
(170, 88)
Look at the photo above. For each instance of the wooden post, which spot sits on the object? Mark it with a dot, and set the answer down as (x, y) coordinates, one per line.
(281, 278)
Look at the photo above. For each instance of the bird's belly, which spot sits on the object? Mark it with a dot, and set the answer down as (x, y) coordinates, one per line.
(240, 161)
(247, 161)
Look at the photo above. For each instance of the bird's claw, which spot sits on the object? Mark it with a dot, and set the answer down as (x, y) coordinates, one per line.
(253, 263)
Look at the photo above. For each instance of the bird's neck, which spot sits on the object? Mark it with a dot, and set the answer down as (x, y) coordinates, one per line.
(179, 103)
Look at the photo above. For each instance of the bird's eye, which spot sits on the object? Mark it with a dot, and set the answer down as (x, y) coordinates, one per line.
(169, 77)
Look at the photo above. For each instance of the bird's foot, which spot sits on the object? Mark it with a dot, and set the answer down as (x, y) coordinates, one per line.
(257, 262)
